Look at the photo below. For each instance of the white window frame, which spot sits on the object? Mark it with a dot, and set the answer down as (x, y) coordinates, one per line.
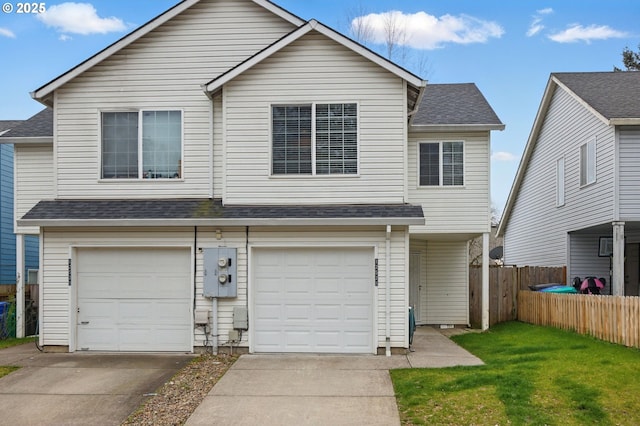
(440, 164)
(588, 166)
(560, 187)
(313, 141)
(140, 113)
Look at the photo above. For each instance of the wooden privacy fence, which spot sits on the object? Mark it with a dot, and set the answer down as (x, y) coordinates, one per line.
(8, 291)
(504, 283)
(615, 319)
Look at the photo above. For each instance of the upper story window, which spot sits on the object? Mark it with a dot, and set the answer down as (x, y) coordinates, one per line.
(142, 144)
(441, 163)
(588, 163)
(314, 139)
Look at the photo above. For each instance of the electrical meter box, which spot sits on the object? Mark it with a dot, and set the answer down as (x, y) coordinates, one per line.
(220, 272)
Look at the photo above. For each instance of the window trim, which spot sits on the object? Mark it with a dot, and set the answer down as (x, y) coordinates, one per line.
(591, 150)
(140, 177)
(560, 182)
(313, 173)
(440, 142)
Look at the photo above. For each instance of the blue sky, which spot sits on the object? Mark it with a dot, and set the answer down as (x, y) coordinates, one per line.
(508, 48)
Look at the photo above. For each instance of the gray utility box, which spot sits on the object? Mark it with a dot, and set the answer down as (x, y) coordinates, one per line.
(220, 272)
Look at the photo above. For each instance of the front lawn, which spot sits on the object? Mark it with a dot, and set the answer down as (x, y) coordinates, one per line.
(533, 376)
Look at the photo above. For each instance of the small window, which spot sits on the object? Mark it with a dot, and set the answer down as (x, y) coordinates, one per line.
(441, 163)
(560, 182)
(142, 145)
(588, 163)
(328, 132)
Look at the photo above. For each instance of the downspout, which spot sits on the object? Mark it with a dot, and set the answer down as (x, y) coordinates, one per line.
(387, 291)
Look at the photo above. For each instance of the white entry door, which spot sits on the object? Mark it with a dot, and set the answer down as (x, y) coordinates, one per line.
(313, 300)
(134, 299)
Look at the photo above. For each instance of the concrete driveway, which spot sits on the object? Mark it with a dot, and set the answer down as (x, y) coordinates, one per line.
(79, 388)
(323, 390)
(303, 389)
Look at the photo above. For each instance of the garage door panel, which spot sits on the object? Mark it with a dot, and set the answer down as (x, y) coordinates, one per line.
(134, 299)
(313, 300)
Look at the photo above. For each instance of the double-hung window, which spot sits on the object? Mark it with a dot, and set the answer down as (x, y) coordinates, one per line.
(314, 139)
(141, 144)
(441, 163)
(588, 163)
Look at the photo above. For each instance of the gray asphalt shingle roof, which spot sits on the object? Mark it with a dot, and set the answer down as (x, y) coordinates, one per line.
(451, 104)
(139, 209)
(612, 94)
(8, 124)
(39, 125)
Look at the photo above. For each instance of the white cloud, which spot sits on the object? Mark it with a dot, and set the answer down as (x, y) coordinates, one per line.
(65, 37)
(79, 18)
(536, 24)
(577, 32)
(424, 31)
(7, 33)
(503, 156)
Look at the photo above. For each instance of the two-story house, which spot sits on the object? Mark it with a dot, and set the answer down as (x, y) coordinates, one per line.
(575, 200)
(229, 174)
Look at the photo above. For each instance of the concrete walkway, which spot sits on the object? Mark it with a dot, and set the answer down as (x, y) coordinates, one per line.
(321, 389)
(79, 388)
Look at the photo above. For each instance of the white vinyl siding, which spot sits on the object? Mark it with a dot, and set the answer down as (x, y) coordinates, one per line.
(560, 182)
(536, 232)
(162, 70)
(629, 174)
(34, 177)
(447, 283)
(316, 70)
(453, 209)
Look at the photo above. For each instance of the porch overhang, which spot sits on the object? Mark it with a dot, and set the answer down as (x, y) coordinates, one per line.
(211, 212)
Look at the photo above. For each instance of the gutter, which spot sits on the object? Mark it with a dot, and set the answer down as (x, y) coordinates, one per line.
(352, 221)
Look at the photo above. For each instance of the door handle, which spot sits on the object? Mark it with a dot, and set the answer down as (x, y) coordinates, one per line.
(84, 322)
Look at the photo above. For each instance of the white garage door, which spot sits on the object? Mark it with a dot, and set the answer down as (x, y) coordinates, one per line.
(134, 299)
(313, 300)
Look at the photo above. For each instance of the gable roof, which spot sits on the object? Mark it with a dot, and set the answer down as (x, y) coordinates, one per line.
(613, 97)
(455, 105)
(44, 93)
(38, 128)
(414, 81)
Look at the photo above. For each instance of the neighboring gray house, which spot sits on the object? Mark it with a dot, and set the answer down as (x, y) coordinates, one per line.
(575, 200)
(230, 167)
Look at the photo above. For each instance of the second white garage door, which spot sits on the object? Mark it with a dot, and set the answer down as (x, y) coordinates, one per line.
(313, 300)
(134, 299)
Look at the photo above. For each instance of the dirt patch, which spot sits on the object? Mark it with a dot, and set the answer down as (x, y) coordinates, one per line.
(174, 402)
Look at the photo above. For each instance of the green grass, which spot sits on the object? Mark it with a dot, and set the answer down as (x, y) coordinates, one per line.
(533, 376)
(6, 370)
(12, 341)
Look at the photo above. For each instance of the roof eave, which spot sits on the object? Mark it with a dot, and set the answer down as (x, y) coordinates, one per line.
(27, 140)
(624, 122)
(397, 221)
(454, 127)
